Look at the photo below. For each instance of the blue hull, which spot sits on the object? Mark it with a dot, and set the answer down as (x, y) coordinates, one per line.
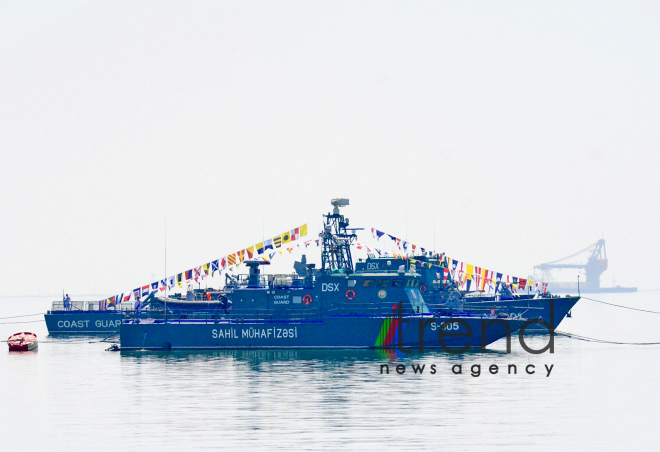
(84, 322)
(551, 310)
(331, 332)
(515, 306)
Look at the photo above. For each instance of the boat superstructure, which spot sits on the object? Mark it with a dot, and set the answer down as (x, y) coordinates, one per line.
(335, 306)
(443, 297)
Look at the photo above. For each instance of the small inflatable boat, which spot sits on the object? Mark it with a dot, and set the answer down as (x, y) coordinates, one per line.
(22, 342)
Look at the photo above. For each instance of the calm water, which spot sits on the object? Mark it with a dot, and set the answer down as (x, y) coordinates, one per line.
(73, 395)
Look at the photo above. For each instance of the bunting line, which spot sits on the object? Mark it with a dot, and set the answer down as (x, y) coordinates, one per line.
(210, 268)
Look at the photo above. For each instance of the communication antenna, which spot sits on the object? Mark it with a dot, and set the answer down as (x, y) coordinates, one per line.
(579, 285)
(434, 248)
(336, 253)
(165, 276)
(406, 221)
(165, 312)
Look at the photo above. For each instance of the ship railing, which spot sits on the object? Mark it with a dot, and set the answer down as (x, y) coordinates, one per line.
(217, 315)
(376, 309)
(77, 306)
(73, 306)
(272, 316)
(268, 281)
(391, 310)
(89, 306)
(529, 311)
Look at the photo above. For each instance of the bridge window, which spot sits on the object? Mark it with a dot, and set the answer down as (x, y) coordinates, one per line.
(351, 283)
(413, 282)
(368, 283)
(383, 282)
(397, 283)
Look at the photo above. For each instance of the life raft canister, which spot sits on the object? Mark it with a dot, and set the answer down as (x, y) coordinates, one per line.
(350, 294)
(422, 288)
(307, 299)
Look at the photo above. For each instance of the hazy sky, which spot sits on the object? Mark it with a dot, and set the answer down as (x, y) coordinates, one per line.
(505, 133)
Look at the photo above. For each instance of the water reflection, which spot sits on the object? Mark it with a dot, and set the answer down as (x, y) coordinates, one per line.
(256, 359)
(82, 397)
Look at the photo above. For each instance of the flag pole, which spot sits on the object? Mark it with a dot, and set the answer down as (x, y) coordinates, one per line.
(165, 263)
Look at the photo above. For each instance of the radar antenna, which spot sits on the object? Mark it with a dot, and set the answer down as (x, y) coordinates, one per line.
(336, 254)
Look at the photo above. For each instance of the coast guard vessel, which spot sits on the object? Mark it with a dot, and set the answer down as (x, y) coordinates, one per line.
(331, 307)
(84, 317)
(443, 297)
(93, 317)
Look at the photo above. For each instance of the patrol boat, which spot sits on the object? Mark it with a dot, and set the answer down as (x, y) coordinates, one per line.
(443, 297)
(94, 317)
(331, 307)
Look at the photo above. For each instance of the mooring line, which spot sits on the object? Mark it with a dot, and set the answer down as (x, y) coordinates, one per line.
(27, 321)
(114, 333)
(17, 316)
(602, 341)
(620, 306)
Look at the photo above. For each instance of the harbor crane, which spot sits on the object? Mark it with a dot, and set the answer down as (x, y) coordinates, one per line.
(594, 266)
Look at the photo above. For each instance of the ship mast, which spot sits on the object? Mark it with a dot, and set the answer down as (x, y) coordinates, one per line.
(336, 254)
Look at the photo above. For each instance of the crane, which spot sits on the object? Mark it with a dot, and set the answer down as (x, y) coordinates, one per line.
(595, 265)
